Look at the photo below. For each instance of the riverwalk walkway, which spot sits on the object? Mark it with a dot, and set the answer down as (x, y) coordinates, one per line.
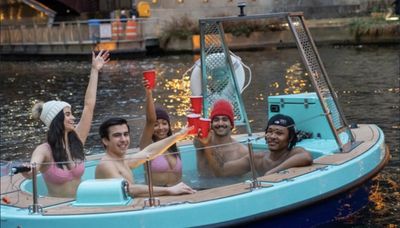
(80, 37)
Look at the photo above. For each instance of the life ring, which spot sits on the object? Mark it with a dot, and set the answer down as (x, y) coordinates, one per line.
(219, 68)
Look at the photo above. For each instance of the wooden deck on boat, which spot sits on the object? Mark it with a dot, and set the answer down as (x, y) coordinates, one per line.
(366, 134)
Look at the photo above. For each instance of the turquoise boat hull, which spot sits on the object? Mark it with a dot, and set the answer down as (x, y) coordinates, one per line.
(285, 197)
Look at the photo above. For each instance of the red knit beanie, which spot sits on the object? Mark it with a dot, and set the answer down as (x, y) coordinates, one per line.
(222, 108)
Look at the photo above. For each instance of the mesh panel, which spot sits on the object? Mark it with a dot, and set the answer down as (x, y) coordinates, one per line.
(220, 82)
(317, 75)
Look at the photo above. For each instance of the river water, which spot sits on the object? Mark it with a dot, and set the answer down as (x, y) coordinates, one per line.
(366, 80)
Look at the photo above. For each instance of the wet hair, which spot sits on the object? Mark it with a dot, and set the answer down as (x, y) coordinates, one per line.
(55, 138)
(285, 121)
(104, 127)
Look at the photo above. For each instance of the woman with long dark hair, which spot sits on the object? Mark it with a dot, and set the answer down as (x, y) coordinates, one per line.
(167, 168)
(61, 158)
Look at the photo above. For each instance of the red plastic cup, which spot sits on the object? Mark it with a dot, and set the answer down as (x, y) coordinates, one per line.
(197, 103)
(150, 76)
(193, 120)
(204, 125)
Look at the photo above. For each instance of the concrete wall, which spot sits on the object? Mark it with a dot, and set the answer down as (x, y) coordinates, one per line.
(165, 9)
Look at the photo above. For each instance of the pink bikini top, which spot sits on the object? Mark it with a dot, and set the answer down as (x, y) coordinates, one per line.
(56, 175)
(160, 164)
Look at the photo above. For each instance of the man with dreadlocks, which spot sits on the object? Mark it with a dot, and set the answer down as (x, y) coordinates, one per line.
(280, 135)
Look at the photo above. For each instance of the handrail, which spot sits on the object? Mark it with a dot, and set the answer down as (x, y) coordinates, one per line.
(76, 32)
(142, 20)
(151, 201)
(35, 208)
(255, 184)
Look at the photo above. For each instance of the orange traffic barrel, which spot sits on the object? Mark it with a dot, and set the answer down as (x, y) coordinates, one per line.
(131, 30)
(117, 30)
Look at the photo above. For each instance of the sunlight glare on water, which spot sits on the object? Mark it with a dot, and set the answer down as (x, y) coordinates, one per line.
(366, 81)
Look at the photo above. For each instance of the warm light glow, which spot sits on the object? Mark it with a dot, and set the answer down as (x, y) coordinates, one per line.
(154, 1)
(180, 1)
(19, 17)
(180, 92)
(392, 18)
(106, 46)
(195, 42)
(296, 81)
(11, 13)
(1, 16)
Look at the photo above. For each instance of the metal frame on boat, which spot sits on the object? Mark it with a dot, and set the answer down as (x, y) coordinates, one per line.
(345, 160)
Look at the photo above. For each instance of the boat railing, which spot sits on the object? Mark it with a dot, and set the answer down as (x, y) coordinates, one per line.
(218, 71)
(255, 184)
(36, 208)
(151, 201)
(80, 32)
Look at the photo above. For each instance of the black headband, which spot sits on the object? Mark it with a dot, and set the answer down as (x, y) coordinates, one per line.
(281, 120)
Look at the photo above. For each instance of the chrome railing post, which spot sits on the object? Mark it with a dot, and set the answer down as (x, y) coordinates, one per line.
(255, 184)
(151, 201)
(35, 208)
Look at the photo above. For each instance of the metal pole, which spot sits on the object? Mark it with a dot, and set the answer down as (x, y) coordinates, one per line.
(151, 200)
(254, 183)
(35, 208)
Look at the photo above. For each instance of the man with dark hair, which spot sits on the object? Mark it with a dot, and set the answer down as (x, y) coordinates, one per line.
(115, 137)
(282, 154)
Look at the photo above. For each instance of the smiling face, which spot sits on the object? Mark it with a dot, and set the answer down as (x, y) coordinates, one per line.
(221, 125)
(118, 140)
(277, 138)
(161, 129)
(69, 119)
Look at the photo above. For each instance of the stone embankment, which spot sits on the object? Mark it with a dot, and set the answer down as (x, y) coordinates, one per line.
(337, 31)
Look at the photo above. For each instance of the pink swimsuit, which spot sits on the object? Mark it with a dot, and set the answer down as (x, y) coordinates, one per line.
(56, 175)
(160, 164)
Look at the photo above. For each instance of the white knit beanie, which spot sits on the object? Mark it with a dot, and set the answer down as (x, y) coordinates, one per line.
(51, 109)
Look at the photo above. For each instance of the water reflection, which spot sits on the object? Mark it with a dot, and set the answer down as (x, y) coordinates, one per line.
(366, 81)
(296, 81)
(179, 92)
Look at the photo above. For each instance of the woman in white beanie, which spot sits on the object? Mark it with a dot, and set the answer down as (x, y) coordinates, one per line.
(61, 158)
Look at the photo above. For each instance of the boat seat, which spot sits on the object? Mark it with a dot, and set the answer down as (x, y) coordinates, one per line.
(291, 173)
(21, 199)
(340, 158)
(365, 134)
(138, 202)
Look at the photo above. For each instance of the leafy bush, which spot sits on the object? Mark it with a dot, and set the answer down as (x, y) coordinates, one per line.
(184, 27)
(379, 6)
(181, 28)
(360, 27)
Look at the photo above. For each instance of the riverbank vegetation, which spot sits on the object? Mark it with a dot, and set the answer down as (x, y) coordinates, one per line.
(184, 28)
(374, 26)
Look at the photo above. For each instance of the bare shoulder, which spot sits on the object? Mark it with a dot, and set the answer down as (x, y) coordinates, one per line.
(303, 154)
(243, 149)
(104, 169)
(299, 150)
(43, 148)
(42, 151)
